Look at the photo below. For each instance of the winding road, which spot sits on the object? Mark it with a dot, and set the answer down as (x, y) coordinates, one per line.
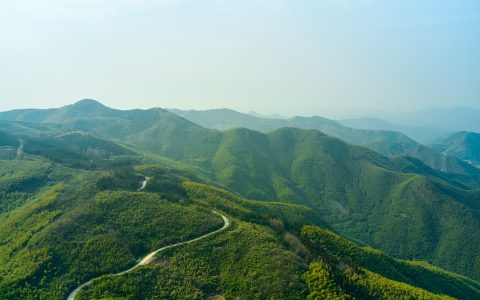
(150, 257)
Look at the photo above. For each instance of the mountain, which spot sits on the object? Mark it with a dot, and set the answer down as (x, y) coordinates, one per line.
(446, 119)
(90, 115)
(274, 116)
(399, 205)
(358, 192)
(463, 145)
(424, 135)
(389, 143)
(83, 108)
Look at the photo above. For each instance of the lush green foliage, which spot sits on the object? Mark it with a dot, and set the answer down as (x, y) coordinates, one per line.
(367, 273)
(20, 180)
(70, 233)
(70, 211)
(341, 281)
(261, 212)
(80, 150)
(385, 142)
(248, 261)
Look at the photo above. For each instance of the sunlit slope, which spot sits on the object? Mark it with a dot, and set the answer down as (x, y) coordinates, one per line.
(341, 269)
(86, 226)
(359, 192)
(257, 258)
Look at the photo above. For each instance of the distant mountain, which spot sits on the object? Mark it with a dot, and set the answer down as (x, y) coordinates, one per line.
(274, 116)
(445, 119)
(92, 116)
(370, 123)
(389, 143)
(463, 145)
(424, 135)
(81, 109)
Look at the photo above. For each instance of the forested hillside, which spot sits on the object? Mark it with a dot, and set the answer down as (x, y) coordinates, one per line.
(90, 115)
(90, 190)
(278, 263)
(385, 142)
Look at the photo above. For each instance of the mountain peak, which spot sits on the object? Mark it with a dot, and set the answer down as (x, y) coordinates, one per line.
(88, 103)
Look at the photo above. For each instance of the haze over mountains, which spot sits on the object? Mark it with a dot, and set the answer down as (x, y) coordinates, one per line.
(76, 180)
(427, 125)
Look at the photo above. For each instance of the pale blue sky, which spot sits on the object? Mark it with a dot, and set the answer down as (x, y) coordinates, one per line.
(272, 56)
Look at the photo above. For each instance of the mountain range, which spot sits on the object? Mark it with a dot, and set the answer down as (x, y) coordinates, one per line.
(388, 143)
(306, 196)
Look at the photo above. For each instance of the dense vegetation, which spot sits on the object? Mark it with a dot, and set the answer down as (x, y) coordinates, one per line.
(89, 115)
(388, 143)
(71, 232)
(248, 261)
(358, 192)
(70, 210)
(277, 265)
(343, 270)
(20, 180)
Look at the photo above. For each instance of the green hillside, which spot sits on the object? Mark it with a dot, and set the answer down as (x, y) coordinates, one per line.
(70, 232)
(92, 116)
(90, 225)
(276, 264)
(342, 270)
(389, 143)
(358, 192)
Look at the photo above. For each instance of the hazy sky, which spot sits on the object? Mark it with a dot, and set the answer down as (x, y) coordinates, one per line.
(272, 56)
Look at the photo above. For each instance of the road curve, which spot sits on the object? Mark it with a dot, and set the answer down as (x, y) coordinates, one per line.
(150, 257)
(144, 183)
